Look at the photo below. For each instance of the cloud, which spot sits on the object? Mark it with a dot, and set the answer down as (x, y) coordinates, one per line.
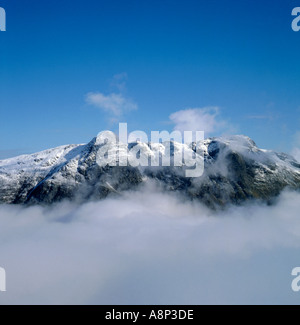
(150, 248)
(116, 102)
(113, 103)
(296, 150)
(119, 81)
(199, 119)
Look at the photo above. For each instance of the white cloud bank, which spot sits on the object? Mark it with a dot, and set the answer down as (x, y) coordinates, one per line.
(150, 248)
(200, 119)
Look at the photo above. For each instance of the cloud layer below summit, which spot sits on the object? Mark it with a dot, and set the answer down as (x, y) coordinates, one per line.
(150, 248)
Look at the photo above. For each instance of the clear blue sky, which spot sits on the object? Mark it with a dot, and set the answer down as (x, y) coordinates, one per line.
(239, 55)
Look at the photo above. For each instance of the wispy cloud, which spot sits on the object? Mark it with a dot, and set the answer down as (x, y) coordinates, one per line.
(205, 119)
(268, 113)
(116, 102)
(119, 81)
(113, 103)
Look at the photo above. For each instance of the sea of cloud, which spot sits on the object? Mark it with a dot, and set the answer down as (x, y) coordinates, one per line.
(150, 248)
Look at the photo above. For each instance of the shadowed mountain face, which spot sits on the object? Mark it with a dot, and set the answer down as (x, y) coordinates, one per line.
(235, 170)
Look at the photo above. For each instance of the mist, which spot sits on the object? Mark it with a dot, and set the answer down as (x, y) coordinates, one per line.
(150, 248)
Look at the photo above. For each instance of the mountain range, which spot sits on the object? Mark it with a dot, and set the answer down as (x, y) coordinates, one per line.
(235, 171)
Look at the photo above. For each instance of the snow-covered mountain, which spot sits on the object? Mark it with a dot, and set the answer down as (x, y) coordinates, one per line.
(235, 170)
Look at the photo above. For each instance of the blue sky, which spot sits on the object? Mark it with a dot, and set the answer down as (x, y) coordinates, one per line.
(156, 58)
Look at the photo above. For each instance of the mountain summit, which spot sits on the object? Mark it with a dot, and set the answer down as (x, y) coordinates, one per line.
(235, 170)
